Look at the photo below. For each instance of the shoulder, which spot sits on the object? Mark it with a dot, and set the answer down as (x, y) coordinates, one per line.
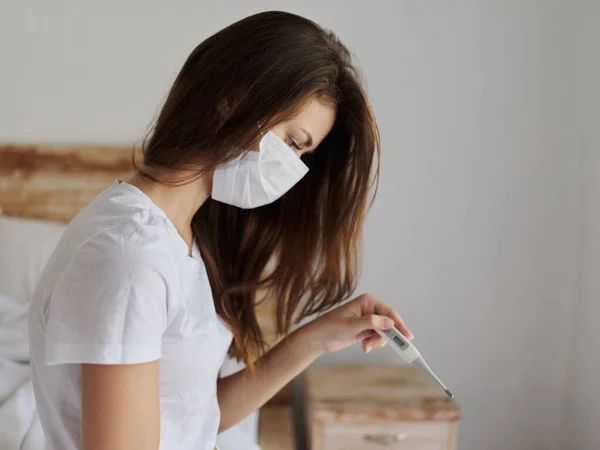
(112, 254)
(124, 229)
(121, 250)
(122, 274)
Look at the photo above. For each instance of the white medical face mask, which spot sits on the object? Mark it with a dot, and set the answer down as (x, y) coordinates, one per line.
(259, 178)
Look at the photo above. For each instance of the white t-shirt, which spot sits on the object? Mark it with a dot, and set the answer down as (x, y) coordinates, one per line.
(120, 288)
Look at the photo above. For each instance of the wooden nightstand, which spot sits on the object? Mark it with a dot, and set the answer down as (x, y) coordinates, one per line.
(375, 407)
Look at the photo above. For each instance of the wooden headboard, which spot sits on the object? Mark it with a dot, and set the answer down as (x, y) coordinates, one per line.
(56, 182)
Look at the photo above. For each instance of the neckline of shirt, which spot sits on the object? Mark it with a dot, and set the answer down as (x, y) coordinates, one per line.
(195, 256)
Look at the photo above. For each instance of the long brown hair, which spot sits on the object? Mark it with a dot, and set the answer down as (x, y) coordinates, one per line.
(304, 248)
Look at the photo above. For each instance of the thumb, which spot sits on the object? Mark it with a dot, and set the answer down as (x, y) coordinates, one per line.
(371, 322)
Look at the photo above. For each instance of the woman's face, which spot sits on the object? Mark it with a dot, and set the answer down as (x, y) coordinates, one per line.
(305, 132)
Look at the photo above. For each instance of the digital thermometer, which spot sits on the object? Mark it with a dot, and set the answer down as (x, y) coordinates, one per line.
(410, 354)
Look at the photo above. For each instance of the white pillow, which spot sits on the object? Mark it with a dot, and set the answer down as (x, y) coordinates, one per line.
(14, 339)
(25, 247)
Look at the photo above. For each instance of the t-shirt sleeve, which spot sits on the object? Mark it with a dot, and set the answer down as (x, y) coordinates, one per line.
(109, 306)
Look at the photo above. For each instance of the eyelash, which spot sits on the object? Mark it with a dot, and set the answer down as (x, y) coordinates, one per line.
(292, 143)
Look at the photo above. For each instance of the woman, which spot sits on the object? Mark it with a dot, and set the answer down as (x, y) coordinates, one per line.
(156, 279)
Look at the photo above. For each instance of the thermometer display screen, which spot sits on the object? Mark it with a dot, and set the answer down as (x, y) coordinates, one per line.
(400, 342)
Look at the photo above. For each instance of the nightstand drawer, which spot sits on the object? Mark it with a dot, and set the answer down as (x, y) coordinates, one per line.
(377, 407)
(374, 436)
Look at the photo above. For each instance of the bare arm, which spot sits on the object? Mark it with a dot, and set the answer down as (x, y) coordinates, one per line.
(244, 392)
(120, 406)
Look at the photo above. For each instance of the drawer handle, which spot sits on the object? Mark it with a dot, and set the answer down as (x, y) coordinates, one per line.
(385, 439)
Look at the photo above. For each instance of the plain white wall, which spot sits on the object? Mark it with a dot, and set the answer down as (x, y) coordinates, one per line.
(474, 230)
(473, 235)
(582, 406)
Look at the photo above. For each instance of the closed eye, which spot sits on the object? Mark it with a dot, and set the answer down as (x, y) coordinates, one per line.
(308, 142)
(292, 143)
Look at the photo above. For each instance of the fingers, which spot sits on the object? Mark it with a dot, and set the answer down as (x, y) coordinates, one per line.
(370, 340)
(363, 335)
(386, 310)
(372, 322)
(372, 343)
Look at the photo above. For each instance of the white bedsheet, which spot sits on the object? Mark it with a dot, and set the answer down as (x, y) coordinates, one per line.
(20, 428)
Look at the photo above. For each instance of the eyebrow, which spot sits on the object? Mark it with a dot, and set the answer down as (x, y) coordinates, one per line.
(309, 140)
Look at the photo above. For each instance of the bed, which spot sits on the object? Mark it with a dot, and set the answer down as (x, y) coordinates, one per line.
(42, 188)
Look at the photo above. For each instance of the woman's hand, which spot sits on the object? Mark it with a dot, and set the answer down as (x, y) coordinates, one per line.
(241, 393)
(355, 321)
